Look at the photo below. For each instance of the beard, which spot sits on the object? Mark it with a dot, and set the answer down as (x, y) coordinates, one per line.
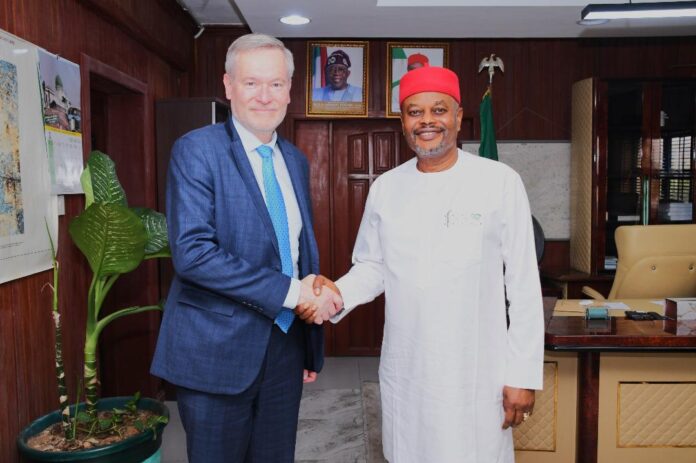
(433, 152)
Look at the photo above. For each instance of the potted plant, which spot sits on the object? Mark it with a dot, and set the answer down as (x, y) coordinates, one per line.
(115, 239)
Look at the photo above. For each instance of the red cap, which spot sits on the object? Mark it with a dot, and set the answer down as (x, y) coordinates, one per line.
(429, 79)
(417, 58)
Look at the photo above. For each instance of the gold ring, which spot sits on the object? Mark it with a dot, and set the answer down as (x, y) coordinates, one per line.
(525, 415)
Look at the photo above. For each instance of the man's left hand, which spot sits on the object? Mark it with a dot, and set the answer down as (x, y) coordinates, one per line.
(309, 376)
(518, 405)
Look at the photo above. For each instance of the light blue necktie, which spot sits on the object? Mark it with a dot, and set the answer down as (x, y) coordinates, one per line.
(279, 218)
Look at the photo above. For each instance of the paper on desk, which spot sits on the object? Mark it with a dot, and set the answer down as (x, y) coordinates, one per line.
(616, 305)
(569, 305)
(660, 303)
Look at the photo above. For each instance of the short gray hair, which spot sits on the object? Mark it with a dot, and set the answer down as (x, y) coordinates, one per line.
(253, 42)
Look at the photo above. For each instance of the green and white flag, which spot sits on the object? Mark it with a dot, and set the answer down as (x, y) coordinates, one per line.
(399, 65)
(488, 148)
(319, 56)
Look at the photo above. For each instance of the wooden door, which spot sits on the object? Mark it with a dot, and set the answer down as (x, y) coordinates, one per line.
(345, 157)
(362, 151)
(118, 121)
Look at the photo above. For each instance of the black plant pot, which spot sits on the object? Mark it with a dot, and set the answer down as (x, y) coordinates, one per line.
(135, 449)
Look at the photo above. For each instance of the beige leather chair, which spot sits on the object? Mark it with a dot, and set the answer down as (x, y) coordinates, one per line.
(654, 261)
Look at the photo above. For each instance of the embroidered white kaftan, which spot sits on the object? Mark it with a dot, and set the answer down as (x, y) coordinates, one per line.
(436, 245)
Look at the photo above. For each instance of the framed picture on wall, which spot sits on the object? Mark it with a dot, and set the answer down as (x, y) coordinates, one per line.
(337, 79)
(404, 56)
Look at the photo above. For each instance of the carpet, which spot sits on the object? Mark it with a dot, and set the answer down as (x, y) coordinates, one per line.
(372, 413)
(340, 426)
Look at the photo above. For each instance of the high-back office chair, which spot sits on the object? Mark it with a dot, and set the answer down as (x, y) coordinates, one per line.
(539, 239)
(654, 261)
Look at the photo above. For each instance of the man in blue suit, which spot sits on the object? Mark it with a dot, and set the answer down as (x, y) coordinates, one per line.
(240, 229)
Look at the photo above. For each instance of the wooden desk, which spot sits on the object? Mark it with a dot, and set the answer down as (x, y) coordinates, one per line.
(574, 334)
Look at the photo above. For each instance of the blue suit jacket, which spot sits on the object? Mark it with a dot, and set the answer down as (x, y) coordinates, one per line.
(228, 287)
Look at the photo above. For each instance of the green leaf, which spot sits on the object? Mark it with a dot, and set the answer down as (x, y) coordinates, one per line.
(104, 183)
(156, 227)
(105, 424)
(139, 426)
(112, 238)
(83, 417)
(86, 182)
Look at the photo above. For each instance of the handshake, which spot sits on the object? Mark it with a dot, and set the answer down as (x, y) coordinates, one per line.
(320, 300)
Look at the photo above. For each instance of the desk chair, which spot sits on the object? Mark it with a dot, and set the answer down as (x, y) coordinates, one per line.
(654, 261)
(539, 239)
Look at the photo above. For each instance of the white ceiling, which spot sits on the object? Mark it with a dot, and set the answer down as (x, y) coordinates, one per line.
(427, 18)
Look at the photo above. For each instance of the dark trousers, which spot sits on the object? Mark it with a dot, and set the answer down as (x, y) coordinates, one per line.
(258, 425)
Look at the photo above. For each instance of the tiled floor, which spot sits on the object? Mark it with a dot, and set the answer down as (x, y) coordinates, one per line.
(338, 373)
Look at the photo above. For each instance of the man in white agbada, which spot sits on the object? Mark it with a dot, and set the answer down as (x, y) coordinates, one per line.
(436, 234)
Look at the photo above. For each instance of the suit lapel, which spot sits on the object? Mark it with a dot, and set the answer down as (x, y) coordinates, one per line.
(298, 185)
(296, 178)
(246, 172)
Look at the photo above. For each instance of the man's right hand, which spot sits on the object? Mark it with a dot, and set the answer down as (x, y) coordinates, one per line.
(315, 305)
(321, 281)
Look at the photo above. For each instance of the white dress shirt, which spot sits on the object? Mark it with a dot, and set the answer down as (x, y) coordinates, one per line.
(250, 142)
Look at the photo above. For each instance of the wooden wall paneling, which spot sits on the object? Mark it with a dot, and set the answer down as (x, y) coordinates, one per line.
(151, 25)
(644, 57)
(684, 61)
(204, 53)
(33, 328)
(377, 79)
(537, 112)
(69, 28)
(565, 70)
(10, 421)
(298, 91)
(209, 51)
(464, 61)
(556, 255)
(531, 99)
(6, 15)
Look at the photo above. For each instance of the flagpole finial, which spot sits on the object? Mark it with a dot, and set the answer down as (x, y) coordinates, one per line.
(491, 62)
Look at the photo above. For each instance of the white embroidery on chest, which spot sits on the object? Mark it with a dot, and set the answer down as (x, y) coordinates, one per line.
(459, 218)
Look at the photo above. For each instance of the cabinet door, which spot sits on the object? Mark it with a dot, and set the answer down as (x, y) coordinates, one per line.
(650, 129)
(672, 197)
(626, 162)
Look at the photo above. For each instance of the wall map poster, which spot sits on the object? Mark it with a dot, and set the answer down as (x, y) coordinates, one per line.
(11, 209)
(26, 203)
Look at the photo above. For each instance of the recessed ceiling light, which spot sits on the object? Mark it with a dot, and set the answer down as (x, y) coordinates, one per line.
(592, 22)
(294, 20)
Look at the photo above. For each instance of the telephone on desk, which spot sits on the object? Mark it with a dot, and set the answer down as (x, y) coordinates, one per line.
(639, 315)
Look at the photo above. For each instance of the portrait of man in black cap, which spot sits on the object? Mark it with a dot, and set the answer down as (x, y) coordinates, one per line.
(337, 88)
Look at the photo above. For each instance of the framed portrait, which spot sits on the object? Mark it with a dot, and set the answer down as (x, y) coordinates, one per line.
(402, 57)
(337, 79)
